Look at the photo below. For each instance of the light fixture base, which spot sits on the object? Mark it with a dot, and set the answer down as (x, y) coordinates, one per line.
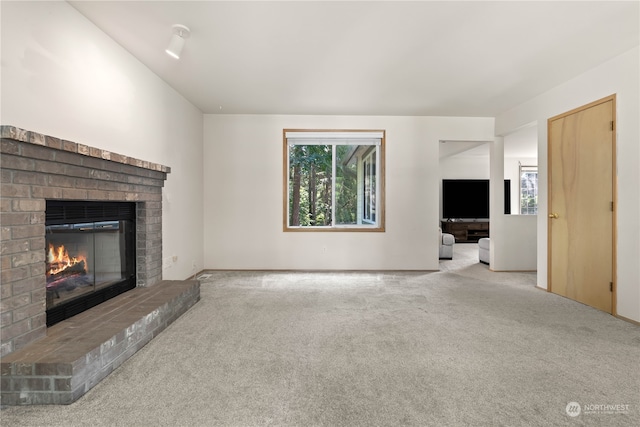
(181, 31)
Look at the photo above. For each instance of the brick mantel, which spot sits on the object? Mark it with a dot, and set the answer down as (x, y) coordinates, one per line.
(17, 134)
(36, 168)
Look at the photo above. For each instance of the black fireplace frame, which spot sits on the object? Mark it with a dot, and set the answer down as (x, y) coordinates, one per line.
(60, 212)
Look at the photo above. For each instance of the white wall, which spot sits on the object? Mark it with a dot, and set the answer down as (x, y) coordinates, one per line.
(621, 76)
(465, 167)
(513, 237)
(243, 194)
(462, 167)
(519, 248)
(63, 77)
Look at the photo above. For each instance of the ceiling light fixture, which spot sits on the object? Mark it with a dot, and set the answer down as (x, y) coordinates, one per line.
(180, 34)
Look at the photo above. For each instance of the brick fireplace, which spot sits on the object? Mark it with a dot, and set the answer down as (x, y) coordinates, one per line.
(37, 169)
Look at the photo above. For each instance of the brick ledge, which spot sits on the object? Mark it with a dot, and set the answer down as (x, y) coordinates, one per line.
(22, 135)
(79, 352)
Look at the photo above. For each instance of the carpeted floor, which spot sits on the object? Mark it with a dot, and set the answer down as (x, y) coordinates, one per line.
(461, 347)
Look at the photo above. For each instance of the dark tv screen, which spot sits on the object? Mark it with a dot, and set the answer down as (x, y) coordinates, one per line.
(465, 198)
(469, 198)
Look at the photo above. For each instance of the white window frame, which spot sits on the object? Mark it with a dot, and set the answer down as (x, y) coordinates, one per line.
(522, 169)
(366, 164)
(292, 137)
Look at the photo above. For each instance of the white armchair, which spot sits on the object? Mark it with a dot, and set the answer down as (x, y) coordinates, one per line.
(446, 242)
(484, 250)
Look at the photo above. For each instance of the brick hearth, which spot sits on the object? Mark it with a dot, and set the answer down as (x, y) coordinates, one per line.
(36, 168)
(79, 352)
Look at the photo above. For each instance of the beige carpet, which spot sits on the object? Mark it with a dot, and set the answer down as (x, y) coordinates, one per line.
(460, 347)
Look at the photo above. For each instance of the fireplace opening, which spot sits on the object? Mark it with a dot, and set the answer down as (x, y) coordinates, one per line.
(90, 255)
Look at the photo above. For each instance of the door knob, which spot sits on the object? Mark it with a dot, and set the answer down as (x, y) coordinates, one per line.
(553, 215)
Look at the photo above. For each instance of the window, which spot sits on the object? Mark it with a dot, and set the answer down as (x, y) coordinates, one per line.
(333, 180)
(369, 185)
(528, 190)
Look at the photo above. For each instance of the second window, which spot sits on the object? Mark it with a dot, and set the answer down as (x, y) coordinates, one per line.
(334, 180)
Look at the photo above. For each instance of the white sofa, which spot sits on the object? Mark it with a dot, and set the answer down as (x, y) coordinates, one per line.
(484, 252)
(446, 242)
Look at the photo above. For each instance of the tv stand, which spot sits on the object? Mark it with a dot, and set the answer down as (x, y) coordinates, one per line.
(466, 231)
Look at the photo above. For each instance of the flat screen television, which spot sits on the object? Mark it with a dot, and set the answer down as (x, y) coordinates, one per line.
(469, 198)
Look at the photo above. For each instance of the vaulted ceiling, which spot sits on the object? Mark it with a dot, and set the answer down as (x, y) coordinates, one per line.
(472, 58)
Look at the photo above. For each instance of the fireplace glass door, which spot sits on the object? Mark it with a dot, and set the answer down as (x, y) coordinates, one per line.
(87, 263)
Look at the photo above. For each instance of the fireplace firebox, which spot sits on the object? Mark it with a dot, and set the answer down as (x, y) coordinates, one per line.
(90, 255)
